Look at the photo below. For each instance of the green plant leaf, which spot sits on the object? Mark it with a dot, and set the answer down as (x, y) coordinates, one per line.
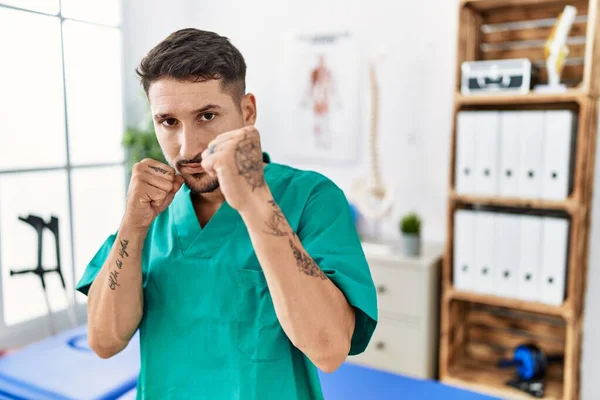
(410, 224)
(140, 144)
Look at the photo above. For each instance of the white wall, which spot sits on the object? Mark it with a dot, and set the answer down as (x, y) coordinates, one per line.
(145, 23)
(416, 89)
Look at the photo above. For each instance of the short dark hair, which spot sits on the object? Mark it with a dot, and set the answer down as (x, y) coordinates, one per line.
(195, 55)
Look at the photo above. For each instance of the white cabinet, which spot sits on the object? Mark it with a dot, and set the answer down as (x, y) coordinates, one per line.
(405, 341)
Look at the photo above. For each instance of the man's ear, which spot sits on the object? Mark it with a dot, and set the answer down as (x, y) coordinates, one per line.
(249, 109)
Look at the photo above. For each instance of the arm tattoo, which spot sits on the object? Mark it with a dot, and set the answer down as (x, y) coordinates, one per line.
(277, 227)
(248, 159)
(113, 280)
(276, 222)
(161, 170)
(122, 251)
(305, 263)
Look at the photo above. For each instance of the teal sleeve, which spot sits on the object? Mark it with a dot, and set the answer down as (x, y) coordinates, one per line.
(328, 234)
(92, 269)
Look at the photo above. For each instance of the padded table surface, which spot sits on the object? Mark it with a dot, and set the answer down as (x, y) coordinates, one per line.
(64, 367)
(354, 382)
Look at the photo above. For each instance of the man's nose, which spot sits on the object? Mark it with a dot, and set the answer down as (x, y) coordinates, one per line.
(191, 144)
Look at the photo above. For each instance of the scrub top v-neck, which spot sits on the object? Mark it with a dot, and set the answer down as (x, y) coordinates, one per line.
(188, 229)
(209, 329)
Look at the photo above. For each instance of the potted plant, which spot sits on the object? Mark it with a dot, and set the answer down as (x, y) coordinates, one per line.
(141, 143)
(410, 228)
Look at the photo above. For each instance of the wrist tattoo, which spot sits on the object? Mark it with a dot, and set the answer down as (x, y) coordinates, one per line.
(248, 159)
(113, 277)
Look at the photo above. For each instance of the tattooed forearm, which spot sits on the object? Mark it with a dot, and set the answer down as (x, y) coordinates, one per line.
(248, 159)
(278, 226)
(276, 222)
(305, 263)
(113, 280)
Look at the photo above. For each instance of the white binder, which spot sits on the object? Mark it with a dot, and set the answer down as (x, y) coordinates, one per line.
(557, 154)
(507, 241)
(530, 163)
(530, 253)
(487, 136)
(509, 153)
(465, 152)
(464, 242)
(484, 252)
(555, 235)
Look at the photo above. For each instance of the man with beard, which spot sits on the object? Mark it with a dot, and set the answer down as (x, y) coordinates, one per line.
(242, 275)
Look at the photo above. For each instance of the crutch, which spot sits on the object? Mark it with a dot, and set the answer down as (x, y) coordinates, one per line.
(38, 224)
(54, 228)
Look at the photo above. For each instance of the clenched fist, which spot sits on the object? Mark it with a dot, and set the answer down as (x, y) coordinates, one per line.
(151, 189)
(235, 158)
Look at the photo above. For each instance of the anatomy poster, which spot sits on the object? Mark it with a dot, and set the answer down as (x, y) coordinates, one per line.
(321, 91)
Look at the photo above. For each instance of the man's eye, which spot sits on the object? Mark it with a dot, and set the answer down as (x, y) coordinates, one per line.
(208, 116)
(169, 122)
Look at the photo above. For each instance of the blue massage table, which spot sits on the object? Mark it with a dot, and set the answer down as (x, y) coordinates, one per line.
(353, 382)
(63, 367)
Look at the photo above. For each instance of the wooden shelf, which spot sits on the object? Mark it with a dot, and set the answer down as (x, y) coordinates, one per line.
(477, 329)
(485, 5)
(505, 302)
(569, 205)
(572, 96)
(484, 378)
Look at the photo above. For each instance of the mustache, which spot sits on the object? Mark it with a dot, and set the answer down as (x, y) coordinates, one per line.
(183, 163)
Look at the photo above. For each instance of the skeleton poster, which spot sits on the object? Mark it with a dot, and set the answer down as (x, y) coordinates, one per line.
(321, 94)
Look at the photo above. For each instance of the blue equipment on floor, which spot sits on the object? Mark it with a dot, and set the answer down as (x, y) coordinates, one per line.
(531, 363)
(64, 367)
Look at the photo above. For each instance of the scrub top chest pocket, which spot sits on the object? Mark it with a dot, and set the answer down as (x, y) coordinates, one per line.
(260, 336)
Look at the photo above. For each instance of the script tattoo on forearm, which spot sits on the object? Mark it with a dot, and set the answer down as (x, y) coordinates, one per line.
(122, 252)
(277, 225)
(248, 159)
(113, 277)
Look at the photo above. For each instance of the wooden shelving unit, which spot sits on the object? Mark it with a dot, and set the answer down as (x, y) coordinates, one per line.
(477, 329)
(508, 303)
(568, 206)
(571, 96)
(479, 376)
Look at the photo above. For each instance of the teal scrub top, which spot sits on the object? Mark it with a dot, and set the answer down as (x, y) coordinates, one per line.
(209, 328)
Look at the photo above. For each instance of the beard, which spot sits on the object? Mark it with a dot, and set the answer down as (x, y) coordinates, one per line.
(201, 183)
